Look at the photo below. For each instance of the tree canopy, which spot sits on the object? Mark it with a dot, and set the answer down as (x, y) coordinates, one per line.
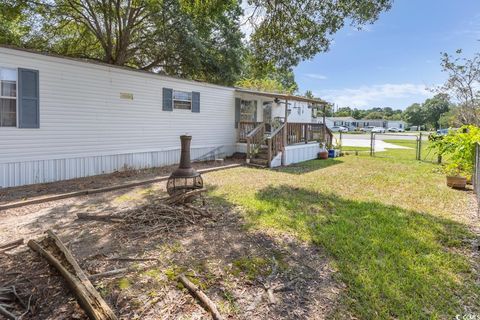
(463, 84)
(188, 38)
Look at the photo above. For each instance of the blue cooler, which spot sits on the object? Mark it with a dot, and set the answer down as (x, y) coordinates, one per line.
(331, 153)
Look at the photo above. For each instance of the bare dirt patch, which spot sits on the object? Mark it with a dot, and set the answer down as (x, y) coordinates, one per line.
(232, 265)
(32, 191)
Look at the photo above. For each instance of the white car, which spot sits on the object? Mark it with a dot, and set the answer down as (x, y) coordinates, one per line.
(378, 130)
(393, 129)
(338, 129)
(368, 129)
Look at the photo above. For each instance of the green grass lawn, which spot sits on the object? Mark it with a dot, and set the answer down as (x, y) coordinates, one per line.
(397, 235)
(349, 148)
(426, 154)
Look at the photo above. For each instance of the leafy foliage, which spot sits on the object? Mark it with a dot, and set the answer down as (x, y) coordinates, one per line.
(386, 113)
(463, 83)
(287, 32)
(264, 84)
(459, 147)
(184, 38)
(428, 112)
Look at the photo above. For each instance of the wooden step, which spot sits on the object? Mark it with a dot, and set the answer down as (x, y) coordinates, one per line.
(259, 161)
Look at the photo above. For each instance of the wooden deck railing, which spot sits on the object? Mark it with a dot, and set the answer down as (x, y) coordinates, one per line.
(275, 144)
(254, 134)
(244, 128)
(305, 132)
(255, 139)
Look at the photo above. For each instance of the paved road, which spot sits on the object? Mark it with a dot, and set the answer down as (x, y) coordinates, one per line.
(380, 145)
(381, 136)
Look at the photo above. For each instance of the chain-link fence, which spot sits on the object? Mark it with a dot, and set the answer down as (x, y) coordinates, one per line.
(405, 146)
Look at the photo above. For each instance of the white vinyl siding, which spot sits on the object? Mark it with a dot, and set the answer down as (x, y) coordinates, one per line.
(83, 117)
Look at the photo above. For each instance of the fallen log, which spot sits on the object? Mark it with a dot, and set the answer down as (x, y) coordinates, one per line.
(55, 252)
(197, 293)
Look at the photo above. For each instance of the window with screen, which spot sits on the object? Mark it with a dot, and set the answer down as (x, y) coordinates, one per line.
(248, 109)
(8, 97)
(182, 100)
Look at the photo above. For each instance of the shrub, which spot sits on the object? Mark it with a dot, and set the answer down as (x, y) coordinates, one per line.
(459, 147)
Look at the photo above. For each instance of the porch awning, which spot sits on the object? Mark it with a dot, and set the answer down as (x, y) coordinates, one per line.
(282, 96)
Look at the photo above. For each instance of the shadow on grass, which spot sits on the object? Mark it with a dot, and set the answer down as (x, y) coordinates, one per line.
(396, 263)
(308, 166)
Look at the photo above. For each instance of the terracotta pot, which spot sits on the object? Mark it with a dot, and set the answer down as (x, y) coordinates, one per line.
(456, 182)
(323, 155)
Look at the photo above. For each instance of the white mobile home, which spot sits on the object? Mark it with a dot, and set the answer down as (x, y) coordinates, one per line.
(63, 118)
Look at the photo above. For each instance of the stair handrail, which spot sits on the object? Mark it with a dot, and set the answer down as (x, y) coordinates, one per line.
(255, 137)
(275, 143)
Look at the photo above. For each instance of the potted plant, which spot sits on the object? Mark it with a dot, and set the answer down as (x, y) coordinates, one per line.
(331, 151)
(458, 150)
(455, 176)
(323, 154)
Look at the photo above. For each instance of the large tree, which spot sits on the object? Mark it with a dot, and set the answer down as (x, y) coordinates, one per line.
(434, 108)
(415, 115)
(185, 38)
(287, 32)
(463, 84)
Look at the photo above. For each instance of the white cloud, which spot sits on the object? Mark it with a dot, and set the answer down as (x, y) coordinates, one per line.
(315, 76)
(374, 95)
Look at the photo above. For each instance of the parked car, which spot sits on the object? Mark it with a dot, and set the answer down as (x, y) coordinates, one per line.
(394, 129)
(442, 132)
(378, 130)
(368, 129)
(338, 129)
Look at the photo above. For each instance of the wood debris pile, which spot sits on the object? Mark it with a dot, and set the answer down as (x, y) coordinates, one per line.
(10, 301)
(162, 215)
(159, 216)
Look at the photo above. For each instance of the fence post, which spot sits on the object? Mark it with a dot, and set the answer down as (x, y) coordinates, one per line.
(372, 143)
(420, 147)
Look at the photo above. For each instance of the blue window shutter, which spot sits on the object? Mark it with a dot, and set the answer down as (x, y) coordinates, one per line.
(195, 101)
(28, 99)
(238, 103)
(167, 99)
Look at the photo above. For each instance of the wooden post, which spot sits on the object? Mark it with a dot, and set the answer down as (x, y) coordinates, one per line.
(420, 147)
(269, 143)
(324, 125)
(372, 144)
(306, 132)
(285, 133)
(248, 149)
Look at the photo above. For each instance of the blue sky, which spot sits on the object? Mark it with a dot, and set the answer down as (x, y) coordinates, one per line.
(391, 62)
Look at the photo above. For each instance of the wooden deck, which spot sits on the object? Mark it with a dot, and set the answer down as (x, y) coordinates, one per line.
(263, 146)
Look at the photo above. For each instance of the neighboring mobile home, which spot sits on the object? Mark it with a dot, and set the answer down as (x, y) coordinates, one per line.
(63, 118)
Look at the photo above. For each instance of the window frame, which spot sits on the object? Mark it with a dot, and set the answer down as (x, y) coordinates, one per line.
(254, 103)
(182, 100)
(15, 69)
